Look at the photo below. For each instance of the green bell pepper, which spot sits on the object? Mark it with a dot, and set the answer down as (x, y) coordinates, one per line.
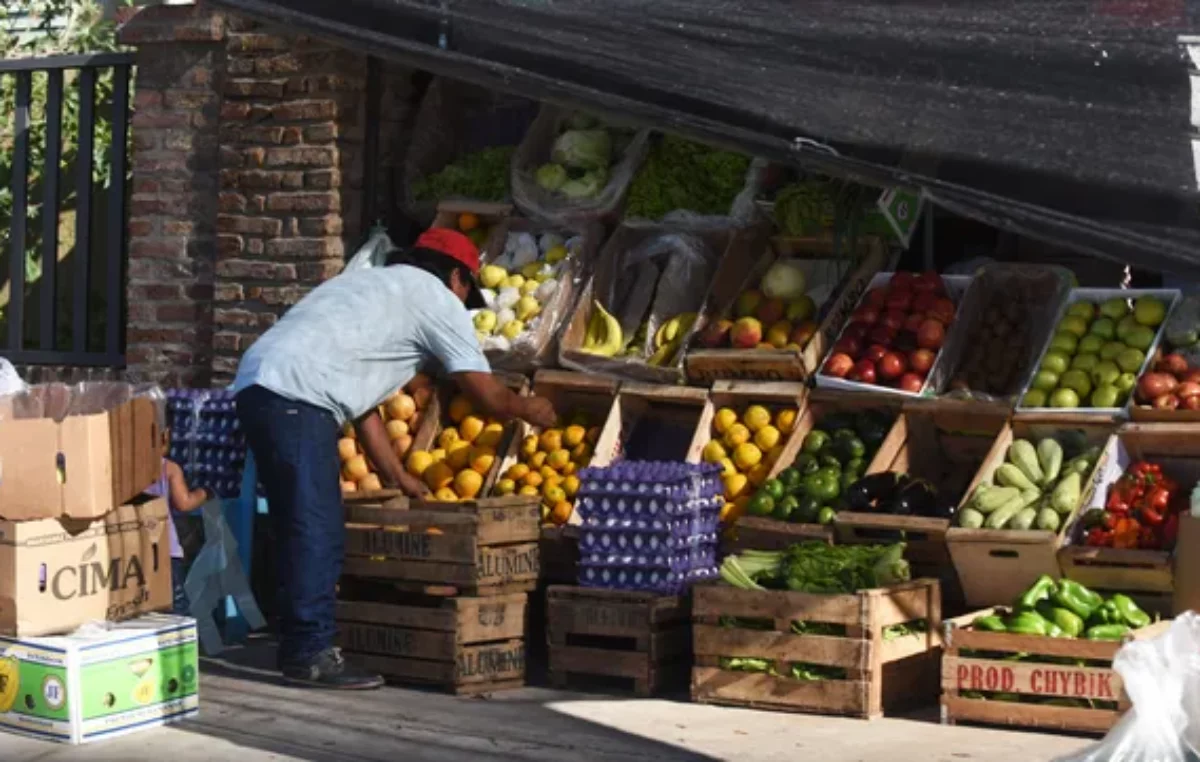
(1028, 623)
(1131, 613)
(1040, 591)
(1070, 622)
(1108, 632)
(1105, 613)
(990, 623)
(1076, 598)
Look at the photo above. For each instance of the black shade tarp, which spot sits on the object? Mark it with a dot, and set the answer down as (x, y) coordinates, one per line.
(1068, 120)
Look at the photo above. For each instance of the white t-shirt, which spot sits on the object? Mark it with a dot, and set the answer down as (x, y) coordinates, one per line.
(357, 338)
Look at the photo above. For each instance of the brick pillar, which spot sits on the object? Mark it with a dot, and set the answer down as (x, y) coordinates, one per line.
(173, 209)
(290, 181)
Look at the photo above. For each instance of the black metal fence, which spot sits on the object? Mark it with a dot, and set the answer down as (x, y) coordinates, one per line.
(63, 246)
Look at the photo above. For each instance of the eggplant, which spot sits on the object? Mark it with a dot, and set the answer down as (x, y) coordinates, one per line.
(916, 497)
(874, 490)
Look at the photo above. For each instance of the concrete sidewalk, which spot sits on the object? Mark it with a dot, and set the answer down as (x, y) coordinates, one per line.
(246, 715)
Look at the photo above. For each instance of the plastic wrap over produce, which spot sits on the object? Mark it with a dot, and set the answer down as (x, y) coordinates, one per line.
(58, 401)
(529, 290)
(572, 168)
(10, 380)
(373, 253)
(1161, 675)
(648, 525)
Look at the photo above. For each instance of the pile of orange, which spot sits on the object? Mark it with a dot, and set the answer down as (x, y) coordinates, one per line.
(462, 455)
(546, 466)
(402, 414)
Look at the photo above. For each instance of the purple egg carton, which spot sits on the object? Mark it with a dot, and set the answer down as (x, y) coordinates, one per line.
(636, 542)
(678, 560)
(664, 582)
(206, 439)
(698, 522)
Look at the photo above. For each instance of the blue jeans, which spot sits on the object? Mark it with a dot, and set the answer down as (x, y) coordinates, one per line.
(179, 599)
(294, 446)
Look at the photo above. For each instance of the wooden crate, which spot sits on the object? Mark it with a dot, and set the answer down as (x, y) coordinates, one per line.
(649, 422)
(739, 395)
(639, 640)
(996, 565)
(984, 662)
(472, 547)
(944, 445)
(705, 366)
(759, 533)
(466, 645)
(1147, 573)
(880, 674)
(570, 393)
(494, 216)
(728, 244)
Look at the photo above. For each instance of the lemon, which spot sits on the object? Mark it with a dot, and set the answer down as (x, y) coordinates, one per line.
(505, 486)
(485, 322)
(517, 472)
(556, 254)
(467, 484)
(755, 417)
(571, 485)
(723, 419)
(550, 440)
(759, 474)
(470, 428)
(553, 494)
(460, 408)
(728, 467)
(528, 491)
(767, 437)
(513, 281)
(735, 485)
(438, 476)
(530, 271)
(737, 435)
(746, 456)
(527, 308)
(786, 420)
(558, 459)
(482, 459)
(512, 329)
(490, 436)
(713, 452)
(491, 276)
(446, 495)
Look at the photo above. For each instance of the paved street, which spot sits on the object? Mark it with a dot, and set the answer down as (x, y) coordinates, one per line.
(247, 716)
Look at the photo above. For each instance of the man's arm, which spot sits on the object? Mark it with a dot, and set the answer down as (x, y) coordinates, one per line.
(498, 401)
(375, 443)
(183, 499)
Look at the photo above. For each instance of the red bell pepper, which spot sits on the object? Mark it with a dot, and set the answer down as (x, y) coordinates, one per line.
(1098, 537)
(1153, 507)
(1148, 539)
(1126, 533)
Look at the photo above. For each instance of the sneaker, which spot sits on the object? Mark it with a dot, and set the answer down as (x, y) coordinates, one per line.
(329, 669)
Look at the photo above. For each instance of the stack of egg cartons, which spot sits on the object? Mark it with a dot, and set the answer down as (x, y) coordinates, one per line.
(206, 439)
(648, 525)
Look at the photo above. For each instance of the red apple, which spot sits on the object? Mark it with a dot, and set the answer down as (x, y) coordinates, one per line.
(899, 300)
(864, 371)
(875, 352)
(1192, 375)
(802, 333)
(902, 281)
(1175, 364)
(876, 297)
(929, 282)
(1187, 389)
(866, 314)
(716, 334)
(923, 302)
(893, 320)
(931, 335)
(905, 341)
(746, 333)
(847, 345)
(853, 331)
(838, 365)
(912, 323)
(1154, 385)
(921, 360)
(771, 311)
(910, 382)
(1191, 403)
(943, 310)
(1167, 402)
(881, 334)
(891, 366)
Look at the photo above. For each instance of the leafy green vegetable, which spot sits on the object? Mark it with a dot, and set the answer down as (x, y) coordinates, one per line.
(814, 567)
(896, 631)
(481, 176)
(681, 174)
(583, 149)
(551, 176)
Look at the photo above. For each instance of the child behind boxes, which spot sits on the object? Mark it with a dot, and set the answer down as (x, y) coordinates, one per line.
(182, 499)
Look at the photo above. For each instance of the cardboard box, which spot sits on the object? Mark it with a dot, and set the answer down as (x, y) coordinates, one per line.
(57, 574)
(99, 684)
(83, 466)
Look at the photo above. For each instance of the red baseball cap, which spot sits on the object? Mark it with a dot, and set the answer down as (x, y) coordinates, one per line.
(461, 249)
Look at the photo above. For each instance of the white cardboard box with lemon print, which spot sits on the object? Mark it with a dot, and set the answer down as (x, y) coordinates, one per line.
(100, 682)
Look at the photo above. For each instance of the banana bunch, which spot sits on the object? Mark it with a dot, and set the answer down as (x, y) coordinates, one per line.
(636, 344)
(805, 208)
(669, 337)
(603, 336)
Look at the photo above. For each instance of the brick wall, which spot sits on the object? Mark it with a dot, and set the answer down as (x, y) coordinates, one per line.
(248, 181)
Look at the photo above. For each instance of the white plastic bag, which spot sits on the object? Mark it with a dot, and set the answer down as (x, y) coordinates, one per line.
(373, 253)
(1162, 678)
(10, 381)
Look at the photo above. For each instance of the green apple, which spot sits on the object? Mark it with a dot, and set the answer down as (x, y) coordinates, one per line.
(1085, 310)
(1090, 344)
(1125, 383)
(1115, 308)
(1085, 362)
(1065, 342)
(1073, 324)
(1078, 381)
(1064, 398)
(1105, 372)
(1131, 359)
(1105, 396)
(1125, 325)
(1045, 380)
(1105, 328)
(1140, 337)
(1034, 398)
(1110, 350)
(1149, 311)
(1057, 362)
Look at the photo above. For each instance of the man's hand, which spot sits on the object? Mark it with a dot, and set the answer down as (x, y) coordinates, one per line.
(375, 443)
(498, 401)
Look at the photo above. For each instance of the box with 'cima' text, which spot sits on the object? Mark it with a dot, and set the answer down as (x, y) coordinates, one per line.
(102, 681)
(57, 574)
